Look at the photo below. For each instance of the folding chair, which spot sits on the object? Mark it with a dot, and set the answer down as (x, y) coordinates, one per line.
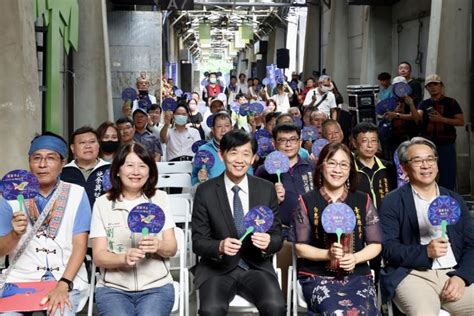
(174, 167)
(174, 180)
(240, 304)
(181, 211)
(294, 295)
(181, 301)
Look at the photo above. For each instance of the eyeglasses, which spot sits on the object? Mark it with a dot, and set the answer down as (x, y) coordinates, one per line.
(369, 141)
(90, 143)
(417, 161)
(284, 141)
(49, 160)
(332, 164)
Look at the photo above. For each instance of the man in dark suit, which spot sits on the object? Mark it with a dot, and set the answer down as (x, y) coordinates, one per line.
(424, 271)
(228, 266)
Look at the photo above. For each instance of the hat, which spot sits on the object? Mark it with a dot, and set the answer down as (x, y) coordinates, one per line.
(143, 77)
(139, 110)
(399, 79)
(434, 78)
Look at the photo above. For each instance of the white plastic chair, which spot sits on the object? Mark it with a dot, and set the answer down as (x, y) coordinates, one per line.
(169, 167)
(174, 180)
(294, 295)
(240, 304)
(180, 209)
(181, 301)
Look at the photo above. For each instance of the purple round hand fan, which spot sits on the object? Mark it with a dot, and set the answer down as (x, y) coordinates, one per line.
(106, 184)
(19, 183)
(169, 104)
(262, 133)
(277, 163)
(256, 108)
(444, 210)
(338, 218)
(195, 146)
(210, 120)
(204, 159)
(401, 178)
(129, 94)
(265, 146)
(146, 218)
(298, 122)
(244, 109)
(178, 93)
(387, 105)
(309, 133)
(144, 103)
(235, 107)
(318, 145)
(401, 89)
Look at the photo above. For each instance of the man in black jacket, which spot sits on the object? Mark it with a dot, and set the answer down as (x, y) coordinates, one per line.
(229, 266)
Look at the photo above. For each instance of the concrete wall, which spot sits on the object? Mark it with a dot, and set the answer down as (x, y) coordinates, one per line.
(453, 66)
(20, 110)
(135, 46)
(358, 42)
(92, 97)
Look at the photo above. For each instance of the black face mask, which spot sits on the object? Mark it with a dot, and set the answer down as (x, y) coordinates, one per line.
(142, 93)
(109, 146)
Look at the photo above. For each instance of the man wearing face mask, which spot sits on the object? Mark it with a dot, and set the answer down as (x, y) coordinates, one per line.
(180, 138)
(322, 98)
(143, 86)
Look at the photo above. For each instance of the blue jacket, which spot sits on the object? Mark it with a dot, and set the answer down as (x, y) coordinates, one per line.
(94, 183)
(402, 251)
(297, 181)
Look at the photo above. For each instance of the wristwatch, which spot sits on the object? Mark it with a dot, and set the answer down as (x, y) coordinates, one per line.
(70, 284)
(398, 116)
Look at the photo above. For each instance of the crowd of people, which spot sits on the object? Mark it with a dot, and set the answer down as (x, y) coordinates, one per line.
(393, 249)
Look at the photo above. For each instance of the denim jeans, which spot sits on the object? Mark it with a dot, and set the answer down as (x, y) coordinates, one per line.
(113, 302)
(75, 297)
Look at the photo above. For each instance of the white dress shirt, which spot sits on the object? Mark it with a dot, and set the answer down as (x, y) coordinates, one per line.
(429, 232)
(243, 193)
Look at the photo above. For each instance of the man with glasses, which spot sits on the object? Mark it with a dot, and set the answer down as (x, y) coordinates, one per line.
(294, 183)
(375, 176)
(126, 127)
(58, 247)
(87, 169)
(425, 271)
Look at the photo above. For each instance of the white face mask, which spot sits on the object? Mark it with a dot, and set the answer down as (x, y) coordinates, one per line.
(324, 89)
(213, 80)
(180, 119)
(192, 106)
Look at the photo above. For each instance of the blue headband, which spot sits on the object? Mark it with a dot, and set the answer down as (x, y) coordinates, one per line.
(48, 142)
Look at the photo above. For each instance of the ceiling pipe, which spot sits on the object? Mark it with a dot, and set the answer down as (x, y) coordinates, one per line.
(249, 4)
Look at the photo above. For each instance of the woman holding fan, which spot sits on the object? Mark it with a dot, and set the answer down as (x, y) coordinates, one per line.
(334, 271)
(135, 277)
